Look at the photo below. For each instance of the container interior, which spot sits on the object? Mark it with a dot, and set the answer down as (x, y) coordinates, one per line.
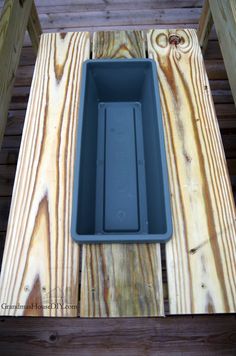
(121, 188)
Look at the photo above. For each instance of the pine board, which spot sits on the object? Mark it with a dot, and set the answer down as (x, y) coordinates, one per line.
(201, 257)
(121, 280)
(40, 262)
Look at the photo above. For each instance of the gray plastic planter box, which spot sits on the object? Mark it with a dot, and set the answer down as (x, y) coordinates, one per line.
(121, 183)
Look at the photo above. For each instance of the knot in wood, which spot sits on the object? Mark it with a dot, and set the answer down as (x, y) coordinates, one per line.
(174, 40)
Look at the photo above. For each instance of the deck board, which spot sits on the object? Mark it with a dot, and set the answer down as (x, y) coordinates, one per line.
(121, 279)
(201, 256)
(40, 262)
(182, 335)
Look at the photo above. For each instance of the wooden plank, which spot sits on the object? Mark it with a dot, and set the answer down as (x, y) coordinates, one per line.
(13, 21)
(119, 44)
(83, 5)
(174, 336)
(111, 3)
(201, 256)
(122, 17)
(205, 26)
(41, 262)
(100, 5)
(121, 279)
(119, 17)
(34, 28)
(224, 16)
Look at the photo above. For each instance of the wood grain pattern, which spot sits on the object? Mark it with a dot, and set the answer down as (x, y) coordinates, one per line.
(224, 17)
(115, 17)
(118, 279)
(172, 336)
(84, 5)
(40, 262)
(201, 257)
(118, 44)
(205, 26)
(13, 22)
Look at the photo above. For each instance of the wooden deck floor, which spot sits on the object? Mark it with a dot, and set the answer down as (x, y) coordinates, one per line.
(58, 15)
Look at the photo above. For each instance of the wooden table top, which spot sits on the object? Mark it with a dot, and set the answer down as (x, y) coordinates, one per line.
(41, 263)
